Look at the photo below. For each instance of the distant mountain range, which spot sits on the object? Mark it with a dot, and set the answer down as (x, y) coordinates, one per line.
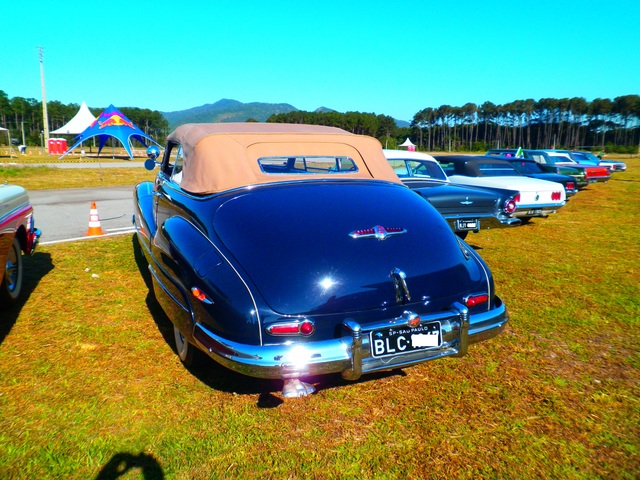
(227, 110)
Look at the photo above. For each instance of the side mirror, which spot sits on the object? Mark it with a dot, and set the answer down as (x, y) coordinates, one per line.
(153, 152)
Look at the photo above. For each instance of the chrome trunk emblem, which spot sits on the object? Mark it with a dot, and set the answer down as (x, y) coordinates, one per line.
(466, 201)
(379, 232)
(399, 279)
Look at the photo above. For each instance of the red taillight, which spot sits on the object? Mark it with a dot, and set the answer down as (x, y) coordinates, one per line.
(510, 205)
(305, 328)
(474, 300)
(517, 198)
(283, 329)
(556, 196)
(571, 186)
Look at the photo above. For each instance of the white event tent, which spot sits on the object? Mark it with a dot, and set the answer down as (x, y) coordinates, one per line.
(409, 144)
(78, 123)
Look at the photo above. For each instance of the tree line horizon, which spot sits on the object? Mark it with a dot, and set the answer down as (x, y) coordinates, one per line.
(604, 124)
(570, 123)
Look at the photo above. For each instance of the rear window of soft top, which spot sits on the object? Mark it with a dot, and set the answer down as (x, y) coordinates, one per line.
(307, 165)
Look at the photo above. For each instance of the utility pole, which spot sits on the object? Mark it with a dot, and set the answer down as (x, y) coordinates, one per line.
(45, 117)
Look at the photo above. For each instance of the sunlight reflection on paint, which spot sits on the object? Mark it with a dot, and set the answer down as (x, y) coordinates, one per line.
(326, 283)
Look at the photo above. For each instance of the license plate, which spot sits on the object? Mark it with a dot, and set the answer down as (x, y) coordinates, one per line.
(404, 339)
(468, 224)
(537, 211)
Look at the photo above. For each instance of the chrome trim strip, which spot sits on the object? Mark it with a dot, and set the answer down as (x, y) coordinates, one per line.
(253, 300)
(15, 213)
(538, 206)
(481, 264)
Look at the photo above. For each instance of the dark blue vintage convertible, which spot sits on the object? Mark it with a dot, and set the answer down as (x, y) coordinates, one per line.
(286, 251)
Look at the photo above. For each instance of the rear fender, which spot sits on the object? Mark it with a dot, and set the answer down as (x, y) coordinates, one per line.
(232, 312)
(144, 205)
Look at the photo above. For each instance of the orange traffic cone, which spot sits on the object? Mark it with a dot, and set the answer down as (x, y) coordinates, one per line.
(94, 221)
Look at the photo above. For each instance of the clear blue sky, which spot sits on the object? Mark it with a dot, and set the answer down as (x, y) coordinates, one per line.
(387, 57)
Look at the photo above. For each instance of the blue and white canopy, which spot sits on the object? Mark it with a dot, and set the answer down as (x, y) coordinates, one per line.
(113, 123)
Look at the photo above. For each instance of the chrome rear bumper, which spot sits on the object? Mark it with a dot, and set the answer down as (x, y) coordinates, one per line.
(351, 355)
(537, 210)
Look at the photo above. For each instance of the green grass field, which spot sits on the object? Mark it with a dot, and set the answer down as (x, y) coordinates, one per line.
(90, 387)
(37, 172)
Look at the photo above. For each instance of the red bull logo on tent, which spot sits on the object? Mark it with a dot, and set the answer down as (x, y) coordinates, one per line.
(115, 121)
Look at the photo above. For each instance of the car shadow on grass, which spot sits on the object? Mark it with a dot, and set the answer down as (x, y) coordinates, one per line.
(204, 369)
(34, 268)
(269, 392)
(220, 378)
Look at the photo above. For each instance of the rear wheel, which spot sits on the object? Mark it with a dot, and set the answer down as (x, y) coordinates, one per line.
(12, 280)
(184, 349)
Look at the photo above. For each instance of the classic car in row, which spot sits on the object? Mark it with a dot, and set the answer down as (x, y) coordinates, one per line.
(594, 173)
(18, 235)
(508, 154)
(465, 208)
(536, 198)
(286, 251)
(589, 158)
(556, 161)
(530, 168)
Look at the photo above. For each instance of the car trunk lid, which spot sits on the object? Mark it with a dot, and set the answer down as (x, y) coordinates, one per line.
(296, 245)
(452, 199)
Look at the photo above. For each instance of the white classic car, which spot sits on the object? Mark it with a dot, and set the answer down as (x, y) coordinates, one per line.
(537, 198)
(17, 235)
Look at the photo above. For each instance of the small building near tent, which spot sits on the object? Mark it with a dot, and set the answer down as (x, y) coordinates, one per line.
(112, 123)
(57, 146)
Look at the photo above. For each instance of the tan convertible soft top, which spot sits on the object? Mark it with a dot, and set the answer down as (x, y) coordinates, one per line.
(222, 156)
